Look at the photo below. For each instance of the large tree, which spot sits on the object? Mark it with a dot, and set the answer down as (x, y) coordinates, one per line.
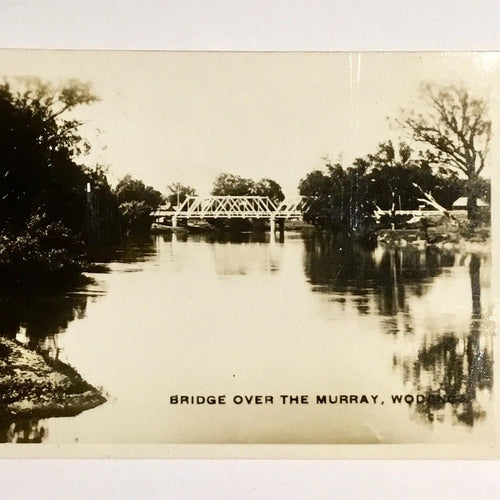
(39, 147)
(234, 185)
(457, 128)
(52, 208)
(130, 189)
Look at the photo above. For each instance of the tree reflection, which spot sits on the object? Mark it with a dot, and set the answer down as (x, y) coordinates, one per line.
(451, 364)
(39, 317)
(22, 431)
(339, 266)
(457, 367)
(36, 320)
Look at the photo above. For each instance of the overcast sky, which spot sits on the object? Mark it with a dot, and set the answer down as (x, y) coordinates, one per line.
(184, 116)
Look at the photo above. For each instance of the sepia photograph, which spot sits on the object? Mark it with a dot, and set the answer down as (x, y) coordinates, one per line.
(247, 248)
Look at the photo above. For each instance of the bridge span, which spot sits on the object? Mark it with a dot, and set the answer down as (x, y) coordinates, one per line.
(232, 207)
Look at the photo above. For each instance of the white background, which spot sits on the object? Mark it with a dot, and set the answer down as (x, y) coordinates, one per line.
(249, 25)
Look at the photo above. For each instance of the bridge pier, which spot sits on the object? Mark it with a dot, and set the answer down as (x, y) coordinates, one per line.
(174, 221)
(272, 225)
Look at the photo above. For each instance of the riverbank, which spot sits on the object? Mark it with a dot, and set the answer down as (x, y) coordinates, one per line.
(440, 234)
(34, 386)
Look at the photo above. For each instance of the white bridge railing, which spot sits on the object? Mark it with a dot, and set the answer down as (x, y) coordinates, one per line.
(232, 207)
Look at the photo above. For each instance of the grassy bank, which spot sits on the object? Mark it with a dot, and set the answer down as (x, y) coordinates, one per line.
(34, 386)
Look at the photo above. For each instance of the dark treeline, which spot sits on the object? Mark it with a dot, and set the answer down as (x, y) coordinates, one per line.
(344, 199)
(54, 211)
(455, 133)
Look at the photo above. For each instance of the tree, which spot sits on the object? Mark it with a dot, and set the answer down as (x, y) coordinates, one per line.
(130, 189)
(136, 202)
(344, 199)
(232, 185)
(327, 192)
(38, 150)
(269, 188)
(49, 218)
(457, 128)
(178, 193)
(393, 172)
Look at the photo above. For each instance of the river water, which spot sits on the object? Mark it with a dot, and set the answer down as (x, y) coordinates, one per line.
(311, 316)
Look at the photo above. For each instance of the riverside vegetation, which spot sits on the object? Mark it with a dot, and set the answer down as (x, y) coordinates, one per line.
(55, 215)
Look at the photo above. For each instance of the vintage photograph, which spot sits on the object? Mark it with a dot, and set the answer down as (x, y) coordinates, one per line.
(247, 248)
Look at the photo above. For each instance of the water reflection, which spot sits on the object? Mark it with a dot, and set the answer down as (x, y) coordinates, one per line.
(22, 431)
(443, 357)
(342, 267)
(135, 250)
(410, 318)
(35, 320)
(248, 254)
(457, 366)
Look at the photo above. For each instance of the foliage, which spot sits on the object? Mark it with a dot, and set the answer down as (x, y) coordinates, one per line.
(51, 207)
(43, 251)
(457, 129)
(136, 202)
(178, 193)
(233, 185)
(344, 199)
(38, 148)
(130, 189)
(269, 188)
(136, 216)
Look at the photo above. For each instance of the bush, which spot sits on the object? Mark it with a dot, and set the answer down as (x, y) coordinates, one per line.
(136, 216)
(42, 252)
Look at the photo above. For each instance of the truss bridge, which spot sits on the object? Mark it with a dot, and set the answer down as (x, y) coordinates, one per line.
(232, 207)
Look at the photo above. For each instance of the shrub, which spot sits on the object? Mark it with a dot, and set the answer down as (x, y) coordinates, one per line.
(43, 251)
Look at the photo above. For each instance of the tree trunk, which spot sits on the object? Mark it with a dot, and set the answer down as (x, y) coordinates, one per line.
(472, 212)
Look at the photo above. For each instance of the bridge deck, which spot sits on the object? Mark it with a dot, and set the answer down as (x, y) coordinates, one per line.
(232, 207)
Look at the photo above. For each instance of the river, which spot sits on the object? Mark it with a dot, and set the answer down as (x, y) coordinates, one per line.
(312, 315)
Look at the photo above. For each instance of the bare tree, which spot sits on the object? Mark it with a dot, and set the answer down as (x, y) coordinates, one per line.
(458, 129)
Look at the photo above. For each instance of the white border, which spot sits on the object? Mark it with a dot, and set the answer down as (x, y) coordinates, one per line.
(249, 25)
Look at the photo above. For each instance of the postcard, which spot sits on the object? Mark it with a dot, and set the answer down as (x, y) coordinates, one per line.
(248, 254)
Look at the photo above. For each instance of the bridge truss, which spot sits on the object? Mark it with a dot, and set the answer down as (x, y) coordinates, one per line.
(233, 207)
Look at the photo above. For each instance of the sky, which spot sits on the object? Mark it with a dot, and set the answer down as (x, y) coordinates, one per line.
(189, 116)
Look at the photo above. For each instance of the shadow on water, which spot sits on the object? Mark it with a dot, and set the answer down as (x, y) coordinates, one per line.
(22, 431)
(36, 317)
(35, 320)
(137, 249)
(457, 367)
(342, 268)
(450, 368)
